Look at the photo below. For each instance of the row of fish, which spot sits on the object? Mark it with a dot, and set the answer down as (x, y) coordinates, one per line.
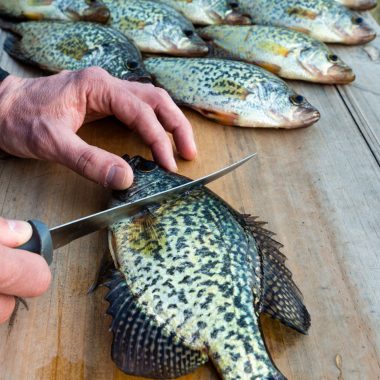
(326, 20)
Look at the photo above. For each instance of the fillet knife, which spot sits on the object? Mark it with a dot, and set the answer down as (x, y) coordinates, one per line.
(45, 240)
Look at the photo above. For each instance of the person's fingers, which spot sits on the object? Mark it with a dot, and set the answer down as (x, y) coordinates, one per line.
(22, 273)
(7, 305)
(94, 163)
(108, 95)
(13, 233)
(170, 116)
(146, 124)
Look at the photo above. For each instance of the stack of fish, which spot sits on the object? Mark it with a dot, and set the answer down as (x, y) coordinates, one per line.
(288, 39)
(228, 70)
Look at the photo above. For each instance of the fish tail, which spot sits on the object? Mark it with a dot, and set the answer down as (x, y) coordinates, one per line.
(141, 346)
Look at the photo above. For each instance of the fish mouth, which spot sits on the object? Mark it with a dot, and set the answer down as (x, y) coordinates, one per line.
(340, 74)
(364, 5)
(304, 117)
(97, 12)
(236, 18)
(191, 49)
(138, 77)
(361, 34)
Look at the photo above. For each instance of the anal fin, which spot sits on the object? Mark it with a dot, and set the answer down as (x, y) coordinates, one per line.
(140, 346)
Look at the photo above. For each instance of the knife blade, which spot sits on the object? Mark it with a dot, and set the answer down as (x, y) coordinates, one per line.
(45, 240)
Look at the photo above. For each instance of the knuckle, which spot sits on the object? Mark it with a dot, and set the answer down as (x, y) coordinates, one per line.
(7, 305)
(84, 160)
(163, 94)
(90, 74)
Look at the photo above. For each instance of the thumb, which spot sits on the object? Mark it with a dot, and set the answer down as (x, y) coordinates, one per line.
(13, 233)
(95, 164)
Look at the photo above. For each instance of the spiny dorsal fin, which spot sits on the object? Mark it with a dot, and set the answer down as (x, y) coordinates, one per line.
(281, 298)
(140, 346)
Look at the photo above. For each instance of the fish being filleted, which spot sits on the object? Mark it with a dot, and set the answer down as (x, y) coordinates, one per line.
(209, 12)
(285, 52)
(232, 92)
(155, 27)
(191, 277)
(57, 46)
(360, 5)
(325, 20)
(73, 10)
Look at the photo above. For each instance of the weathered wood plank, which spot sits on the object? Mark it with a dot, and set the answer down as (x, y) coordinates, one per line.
(319, 189)
(362, 98)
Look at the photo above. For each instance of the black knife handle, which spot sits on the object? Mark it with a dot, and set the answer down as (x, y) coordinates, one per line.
(40, 242)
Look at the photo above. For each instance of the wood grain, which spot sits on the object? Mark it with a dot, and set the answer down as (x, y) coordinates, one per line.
(319, 189)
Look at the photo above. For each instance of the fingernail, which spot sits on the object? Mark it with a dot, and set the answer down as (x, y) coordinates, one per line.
(117, 178)
(21, 228)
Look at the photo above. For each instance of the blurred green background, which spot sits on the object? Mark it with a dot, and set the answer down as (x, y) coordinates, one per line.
(376, 14)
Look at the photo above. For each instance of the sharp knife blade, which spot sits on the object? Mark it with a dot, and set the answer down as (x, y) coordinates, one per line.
(45, 240)
(66, 233)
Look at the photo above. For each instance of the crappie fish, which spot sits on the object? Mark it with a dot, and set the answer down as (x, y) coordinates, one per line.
(191, 280)
(57, 46)
(231, 92)
(209, 12)
(284, 52)
(325, 20)
(360, 5)
(55, 10)
(155, 27)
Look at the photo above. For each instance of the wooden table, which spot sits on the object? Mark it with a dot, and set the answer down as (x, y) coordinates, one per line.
(319, 189)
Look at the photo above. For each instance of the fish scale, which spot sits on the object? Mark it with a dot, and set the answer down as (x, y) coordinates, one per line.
(196, 290)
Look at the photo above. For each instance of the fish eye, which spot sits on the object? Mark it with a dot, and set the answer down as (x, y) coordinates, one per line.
(146, 166)
(234, 5)
(358, 20)
(333, 58)
(188, 33)
(132, 65)
(297, 100)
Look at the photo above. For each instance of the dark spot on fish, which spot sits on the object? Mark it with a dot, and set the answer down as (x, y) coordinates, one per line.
(228, 317)
(234, 4)
(201, 325)
(247, 367)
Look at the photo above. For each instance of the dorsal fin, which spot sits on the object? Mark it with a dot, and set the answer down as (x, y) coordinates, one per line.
(140, 346)
(281, 298)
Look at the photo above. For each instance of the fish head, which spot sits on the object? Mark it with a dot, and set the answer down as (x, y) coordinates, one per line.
(179, 39)
(323, 66)
(278, 106)
(87, 10)
(352, 28)
(149, 178)
(223, 12)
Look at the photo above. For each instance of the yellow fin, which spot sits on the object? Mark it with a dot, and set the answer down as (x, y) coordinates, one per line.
(224, 118)
(275, 69)
(33, 16)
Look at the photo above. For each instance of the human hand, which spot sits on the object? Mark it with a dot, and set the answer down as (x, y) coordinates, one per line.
(22, 273)
(40, 118)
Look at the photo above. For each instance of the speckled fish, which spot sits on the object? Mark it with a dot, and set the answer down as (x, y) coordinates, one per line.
(192, 277)
(231, 92)
(74, 10)
(156, 27)
(56, 46)
(284, 52)
(360, 5)
(209, 12)
(325, 20)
